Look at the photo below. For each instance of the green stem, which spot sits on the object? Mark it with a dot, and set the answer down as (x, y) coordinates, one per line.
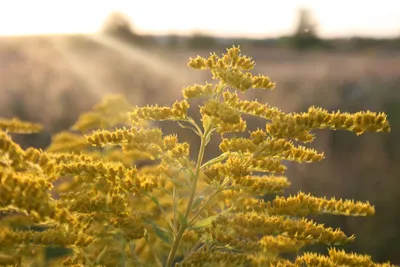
(158, 261)
(221, 188)
(205, 205)
(175, 206)
(182, 228)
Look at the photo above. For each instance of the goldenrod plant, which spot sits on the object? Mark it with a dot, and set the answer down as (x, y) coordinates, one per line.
(88, 195)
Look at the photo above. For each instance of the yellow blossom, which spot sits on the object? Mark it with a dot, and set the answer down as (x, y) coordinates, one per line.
(17, 126)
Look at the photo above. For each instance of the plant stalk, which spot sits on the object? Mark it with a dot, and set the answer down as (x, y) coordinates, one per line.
(182, 228)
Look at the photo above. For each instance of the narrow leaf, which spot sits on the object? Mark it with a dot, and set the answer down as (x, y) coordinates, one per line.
(204, 223)
(182, 219)
(155, 200)
(197, 202)
(215, 160)
(101, 255)
(162, 233)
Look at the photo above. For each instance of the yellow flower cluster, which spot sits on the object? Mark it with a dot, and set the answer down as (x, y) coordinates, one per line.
(305, 204)
(42, 162)
(275, 148)
(337, 258)
(111, 112)
(297, 125)
(124, 136)
(262, 185)
(16, 188)
(251, 225)
(11, 152)
(254, 108)
(89, 194)
(156, 113)
(226, 118)
(221, 236)
(233, 70)
(131, 225)
(198, 90)
(68, 142)
(17, 126)
(204, 258)
(300, 205)
(282, 244)
(51, 237)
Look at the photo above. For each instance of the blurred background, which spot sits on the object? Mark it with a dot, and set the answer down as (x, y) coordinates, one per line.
(59, 58)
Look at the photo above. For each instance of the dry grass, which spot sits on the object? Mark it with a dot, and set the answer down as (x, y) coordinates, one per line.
(43, 69)
(52, 79)
(38, 74)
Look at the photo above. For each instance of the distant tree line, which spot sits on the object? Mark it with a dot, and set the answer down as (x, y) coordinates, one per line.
(304, 37)
(119, 25)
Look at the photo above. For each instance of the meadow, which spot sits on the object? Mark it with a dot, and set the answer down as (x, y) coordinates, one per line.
(53, 79)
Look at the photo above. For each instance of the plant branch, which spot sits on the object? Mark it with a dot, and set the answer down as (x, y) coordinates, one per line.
(157, 260)
(206, 204)
(182, 228)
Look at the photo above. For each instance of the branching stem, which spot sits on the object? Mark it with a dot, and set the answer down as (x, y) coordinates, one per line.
(182, 228)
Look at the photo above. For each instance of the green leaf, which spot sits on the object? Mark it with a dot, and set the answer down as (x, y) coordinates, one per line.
(182, 219)
(207, 221)
(101, 255)
(203, 223)
(188, 127)
(197, 202)
(163, 233)
(207, 122)
(155, 200)
(216, 160)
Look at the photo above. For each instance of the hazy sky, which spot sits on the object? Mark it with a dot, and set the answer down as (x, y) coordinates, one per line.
(258, 18)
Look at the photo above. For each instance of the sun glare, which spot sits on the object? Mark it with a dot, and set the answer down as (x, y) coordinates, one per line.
(257, 18)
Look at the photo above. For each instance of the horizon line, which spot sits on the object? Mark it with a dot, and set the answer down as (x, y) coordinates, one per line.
(204, 33)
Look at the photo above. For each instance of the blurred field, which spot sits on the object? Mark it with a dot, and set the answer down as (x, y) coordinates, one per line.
(52, 79)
